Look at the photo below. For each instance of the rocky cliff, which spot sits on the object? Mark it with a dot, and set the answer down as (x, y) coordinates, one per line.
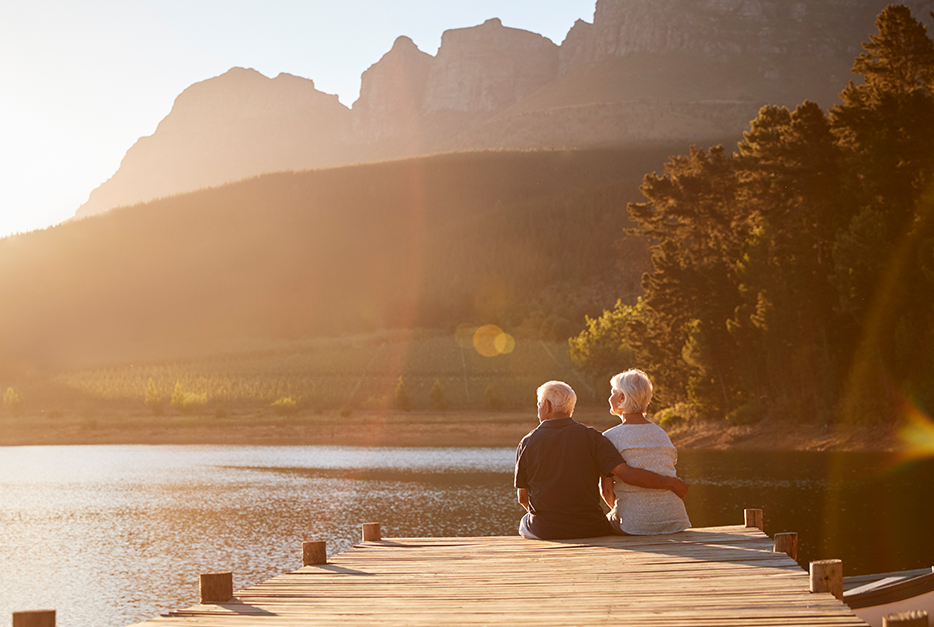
(488, 68)
(645, 71)
(769, 44)
(227, 128)
(392, 93)
(417, 100)
(730, 29)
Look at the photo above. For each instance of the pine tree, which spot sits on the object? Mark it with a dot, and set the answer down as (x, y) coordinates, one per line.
(884, 126)
(884, 123)
(790, 169)
(699, 227)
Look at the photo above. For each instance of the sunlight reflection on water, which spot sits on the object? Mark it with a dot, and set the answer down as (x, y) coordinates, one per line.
(111, 535)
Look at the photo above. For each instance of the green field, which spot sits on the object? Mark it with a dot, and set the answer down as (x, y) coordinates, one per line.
(354, 372)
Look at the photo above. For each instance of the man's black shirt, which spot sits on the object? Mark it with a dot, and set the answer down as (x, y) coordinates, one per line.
(560, 463)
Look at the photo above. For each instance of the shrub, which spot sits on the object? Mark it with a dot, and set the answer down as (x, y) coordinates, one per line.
(187, 402)
(675, 416)
(152, 398)
(744, 415)
(13, 402)
(285, 405)
(437, 396)
(178, 396)
(345, 412)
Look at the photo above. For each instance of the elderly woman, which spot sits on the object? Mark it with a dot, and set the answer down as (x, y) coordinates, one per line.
(643, 444)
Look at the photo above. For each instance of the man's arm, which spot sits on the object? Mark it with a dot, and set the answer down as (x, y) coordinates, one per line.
(647, 479)
(523, 496)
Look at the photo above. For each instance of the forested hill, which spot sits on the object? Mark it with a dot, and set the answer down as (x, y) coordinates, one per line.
(794, 278)
(525, 239)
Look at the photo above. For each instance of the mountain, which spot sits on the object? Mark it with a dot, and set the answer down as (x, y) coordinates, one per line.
(391, 95)
(228, 128)
(643, 72)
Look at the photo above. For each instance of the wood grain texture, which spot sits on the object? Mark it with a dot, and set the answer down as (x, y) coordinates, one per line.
(715, 576)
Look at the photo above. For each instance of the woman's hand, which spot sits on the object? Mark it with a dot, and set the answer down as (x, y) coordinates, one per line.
(608, 491)
(523, 495)
(679, 487)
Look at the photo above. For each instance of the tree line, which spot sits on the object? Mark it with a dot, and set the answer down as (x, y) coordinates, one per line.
(794, 277)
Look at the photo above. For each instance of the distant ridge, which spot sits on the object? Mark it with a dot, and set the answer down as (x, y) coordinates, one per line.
(520, 239)
(643, 72)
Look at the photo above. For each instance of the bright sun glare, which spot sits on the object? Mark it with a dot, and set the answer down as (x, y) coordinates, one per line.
(82, 81)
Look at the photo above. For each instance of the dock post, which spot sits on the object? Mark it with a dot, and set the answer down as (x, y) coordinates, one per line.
(371, 532)
(35, 618)
(787, 543)
(314, 553)
(827, 576)
(914, 618)
(754, 519)
(216, 587)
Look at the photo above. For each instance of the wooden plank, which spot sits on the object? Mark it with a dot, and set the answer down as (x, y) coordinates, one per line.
(720, 576)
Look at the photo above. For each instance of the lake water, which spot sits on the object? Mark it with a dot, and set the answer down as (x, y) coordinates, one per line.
(111, 535)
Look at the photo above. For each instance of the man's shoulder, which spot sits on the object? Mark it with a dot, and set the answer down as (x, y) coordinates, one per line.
(585, 435)
(579, 429)
(527, 438)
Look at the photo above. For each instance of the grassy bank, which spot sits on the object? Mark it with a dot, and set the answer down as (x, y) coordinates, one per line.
(395, 428)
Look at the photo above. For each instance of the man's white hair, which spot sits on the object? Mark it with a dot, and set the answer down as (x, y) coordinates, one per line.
(637, 387)
(560, 394)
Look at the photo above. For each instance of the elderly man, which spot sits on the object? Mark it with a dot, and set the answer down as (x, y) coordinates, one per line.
(558, 469)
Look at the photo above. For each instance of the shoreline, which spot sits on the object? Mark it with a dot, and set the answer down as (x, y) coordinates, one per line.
(414, 429)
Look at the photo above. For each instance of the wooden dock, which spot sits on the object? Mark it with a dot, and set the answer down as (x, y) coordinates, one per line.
(715, 576)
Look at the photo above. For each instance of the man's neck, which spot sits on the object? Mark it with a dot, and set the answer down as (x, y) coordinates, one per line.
(557, 416)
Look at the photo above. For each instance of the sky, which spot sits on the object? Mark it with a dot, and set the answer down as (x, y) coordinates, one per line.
(82, 80)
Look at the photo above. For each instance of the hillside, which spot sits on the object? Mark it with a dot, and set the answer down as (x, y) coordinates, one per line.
(525, 240)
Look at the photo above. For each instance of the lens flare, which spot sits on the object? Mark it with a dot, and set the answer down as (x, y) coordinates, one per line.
(917, 434)
(484, 340)
(490, 341)
(504, 343)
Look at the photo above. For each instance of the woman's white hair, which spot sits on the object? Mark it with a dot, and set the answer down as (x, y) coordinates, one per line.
(562, 397)
(636, 386)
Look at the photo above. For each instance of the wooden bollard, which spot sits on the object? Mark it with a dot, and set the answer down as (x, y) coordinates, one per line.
(914, 618)
(35, 618)
(216, 587)
(787, 543)
(314, 553)
(371, 532)
(754, 519)
(827, 576)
